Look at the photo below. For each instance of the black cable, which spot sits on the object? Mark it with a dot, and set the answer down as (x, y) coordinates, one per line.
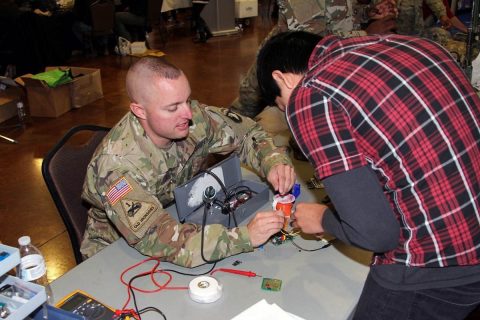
(238, 189)
(139, 312)
(220, 182)
(235, 194)
(193, 275)
(147, 309)
(225, 206)
(328, 244)
(231, 213)
(147, 274)
(202, 240)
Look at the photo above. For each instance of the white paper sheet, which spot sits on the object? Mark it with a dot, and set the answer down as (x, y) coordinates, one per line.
(262, 310)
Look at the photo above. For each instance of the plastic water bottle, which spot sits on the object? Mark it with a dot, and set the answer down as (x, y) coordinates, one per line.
(32, 266)
(21, 112)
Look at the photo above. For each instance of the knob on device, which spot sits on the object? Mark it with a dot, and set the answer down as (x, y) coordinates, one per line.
(209, 194)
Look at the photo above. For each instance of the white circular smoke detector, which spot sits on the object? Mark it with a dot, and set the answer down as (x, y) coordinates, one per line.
(205, 289)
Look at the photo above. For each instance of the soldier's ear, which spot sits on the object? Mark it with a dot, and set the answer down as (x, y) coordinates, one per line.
(138, 110)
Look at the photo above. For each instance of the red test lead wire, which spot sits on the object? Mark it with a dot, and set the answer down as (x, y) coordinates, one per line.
(236, 271)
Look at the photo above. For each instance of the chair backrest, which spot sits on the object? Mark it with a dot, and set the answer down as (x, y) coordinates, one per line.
(64, 169)
(103, 16)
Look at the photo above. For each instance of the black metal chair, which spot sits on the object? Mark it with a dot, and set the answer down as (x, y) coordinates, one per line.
(64, 169)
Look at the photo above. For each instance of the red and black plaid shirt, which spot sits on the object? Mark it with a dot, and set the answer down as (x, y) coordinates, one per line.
(402, 106)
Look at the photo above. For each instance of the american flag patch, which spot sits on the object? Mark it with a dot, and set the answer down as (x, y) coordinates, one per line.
(118, 190)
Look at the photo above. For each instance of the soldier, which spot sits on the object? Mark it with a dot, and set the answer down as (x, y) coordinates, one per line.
(410, 16)
(161, 143)
(429, 20)
(320, 17)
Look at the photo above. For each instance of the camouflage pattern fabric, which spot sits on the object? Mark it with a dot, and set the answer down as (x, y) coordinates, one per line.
(317, 16)
(458, 49)
(439, 35)
(129, 182)
(410, 15)
(321, 16)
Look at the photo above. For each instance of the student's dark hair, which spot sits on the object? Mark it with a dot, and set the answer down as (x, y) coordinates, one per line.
(286, 52)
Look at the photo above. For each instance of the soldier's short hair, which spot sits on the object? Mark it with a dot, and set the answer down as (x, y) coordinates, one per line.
(147, 68)
(159, 66)
(287, 52)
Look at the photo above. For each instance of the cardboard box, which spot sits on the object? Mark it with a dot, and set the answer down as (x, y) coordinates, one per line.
(246, 8)
(43, 100)
(86, 86)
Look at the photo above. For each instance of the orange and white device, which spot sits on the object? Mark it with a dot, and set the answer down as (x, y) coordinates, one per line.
(285, 204)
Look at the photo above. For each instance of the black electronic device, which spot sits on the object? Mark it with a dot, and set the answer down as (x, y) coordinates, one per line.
(205, 189)
(80, 303)
(54, 313)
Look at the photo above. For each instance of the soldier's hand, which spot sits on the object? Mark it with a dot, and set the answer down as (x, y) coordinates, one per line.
(282, 177)
(383, 9)
(382, 26)
(445, 21)
(264, 225)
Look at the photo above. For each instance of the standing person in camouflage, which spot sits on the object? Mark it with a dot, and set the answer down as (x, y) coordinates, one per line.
(410, 21)
(161, 143)
(410, 16)
(342, 18)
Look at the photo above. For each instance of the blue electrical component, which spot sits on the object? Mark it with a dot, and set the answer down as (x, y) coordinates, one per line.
(3, 255)
(296, 190)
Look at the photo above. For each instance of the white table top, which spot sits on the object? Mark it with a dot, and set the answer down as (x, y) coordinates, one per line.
(324, 284)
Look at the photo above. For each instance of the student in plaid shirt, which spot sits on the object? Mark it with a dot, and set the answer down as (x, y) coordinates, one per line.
(391, 126)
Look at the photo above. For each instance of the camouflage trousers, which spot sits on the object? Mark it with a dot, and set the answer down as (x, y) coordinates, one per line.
(457, 48)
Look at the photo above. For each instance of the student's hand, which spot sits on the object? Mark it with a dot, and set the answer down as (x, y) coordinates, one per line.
(308, 217)
(383, 9)
(264, 225)
(382, 26)
(281, 177)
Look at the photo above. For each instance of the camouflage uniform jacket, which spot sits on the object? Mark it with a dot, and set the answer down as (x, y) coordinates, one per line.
(129, 182)
(321, 17)
(410, 15)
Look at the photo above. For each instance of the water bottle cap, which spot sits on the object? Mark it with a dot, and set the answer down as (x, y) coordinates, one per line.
(23, 241)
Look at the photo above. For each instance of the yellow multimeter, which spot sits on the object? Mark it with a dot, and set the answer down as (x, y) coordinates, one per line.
(81, 303)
